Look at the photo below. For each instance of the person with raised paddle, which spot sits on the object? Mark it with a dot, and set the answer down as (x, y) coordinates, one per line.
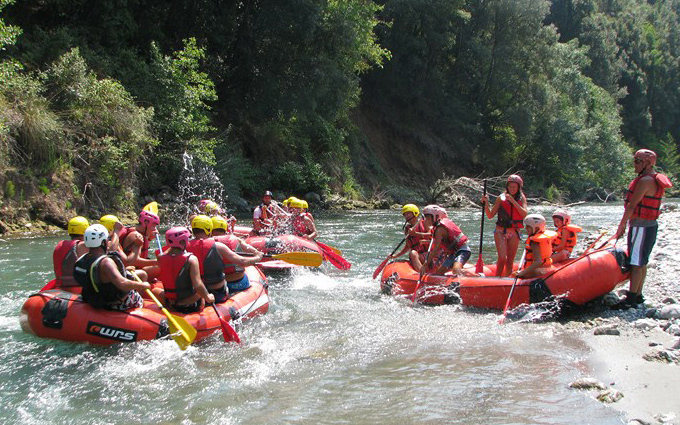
(103, 276)
(234, 273)
(67, 252)
(181, 274)
(566, 239)
(511, 207)
(449, 250)
(538, 248)
(642, 209)
(418, 235)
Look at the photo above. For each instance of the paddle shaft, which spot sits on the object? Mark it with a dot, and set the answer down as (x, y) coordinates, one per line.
(384, 262)
(481, 226)
(422, 270)
(512, 289)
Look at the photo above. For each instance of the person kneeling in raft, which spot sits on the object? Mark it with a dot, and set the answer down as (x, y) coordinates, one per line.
(566, 238)
(449, 245)
(181, 274)
(103, 276)
(212, 257)
(538, 247)
(417, 234)
(135, 242)
(237, 279)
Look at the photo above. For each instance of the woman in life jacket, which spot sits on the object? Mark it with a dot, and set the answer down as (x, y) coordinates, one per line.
(564, 243)
(103, 276)
(115, 227)
(181, 275)
(303, 224)
(511, 207)
(234, 273)
(449, 250)
(136, 240)
(538, 247)
(67, 252)
(418, 235)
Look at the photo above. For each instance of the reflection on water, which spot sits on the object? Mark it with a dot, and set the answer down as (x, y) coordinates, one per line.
(331, 350)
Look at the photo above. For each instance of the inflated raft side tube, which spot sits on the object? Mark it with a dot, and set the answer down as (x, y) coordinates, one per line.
(63, 315)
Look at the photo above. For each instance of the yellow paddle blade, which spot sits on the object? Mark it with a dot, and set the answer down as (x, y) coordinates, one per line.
(151, 207)
(180, 330)
(307, 259)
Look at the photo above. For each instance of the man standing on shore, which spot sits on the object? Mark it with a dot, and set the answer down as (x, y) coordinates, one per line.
(642, 208)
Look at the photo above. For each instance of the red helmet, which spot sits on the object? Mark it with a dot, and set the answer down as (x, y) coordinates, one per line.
(566, 218)
(514, 178)
(175, 235)
(646, 154)
(149, 218)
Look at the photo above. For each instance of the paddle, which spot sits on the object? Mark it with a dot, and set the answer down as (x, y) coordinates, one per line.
(479, 267)
(180, 330)
(512, 289)
(384, 262)
(228, 332)
(333, 257)
(328, 247)
(422, 269)
(301, 258)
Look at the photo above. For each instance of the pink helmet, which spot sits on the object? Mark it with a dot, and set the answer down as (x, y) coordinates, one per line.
(175, 235)
(149, 218)
(436, 211)
(566, 218)
(514, 178)
(202, 203)
(442, 212)
(646, 154)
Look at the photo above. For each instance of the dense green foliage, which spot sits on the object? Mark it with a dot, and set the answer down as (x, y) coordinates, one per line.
(319, 95)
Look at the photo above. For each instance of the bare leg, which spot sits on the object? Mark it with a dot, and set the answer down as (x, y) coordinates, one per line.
(512, 245)
(415, 260)
(501, 249)
(637, 278)
(560, 256)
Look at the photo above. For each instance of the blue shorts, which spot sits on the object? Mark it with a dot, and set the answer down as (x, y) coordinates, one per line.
(461, 256)
(239, 285)
(641, 240)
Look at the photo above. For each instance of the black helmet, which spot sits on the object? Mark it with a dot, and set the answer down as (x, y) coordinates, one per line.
(268, 193)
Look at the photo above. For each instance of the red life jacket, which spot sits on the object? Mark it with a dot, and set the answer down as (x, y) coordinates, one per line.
(299, 225)
(509, 216)
(455, 238)
(649, 207)
(571, 236)
(544, 241)
(419, 243)
(233, 243)
(175, 276)
(209, 260)
(64, 258)
(127, 249)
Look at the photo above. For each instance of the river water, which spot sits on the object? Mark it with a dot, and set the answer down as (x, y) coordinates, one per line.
(331, 350)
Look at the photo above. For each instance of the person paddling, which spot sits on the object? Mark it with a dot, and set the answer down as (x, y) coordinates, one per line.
(642, 209)
(538, 247)
(181, 274)
(511, 207)
(103, 276)
(234, 273)
(449, 244)
(567, 236)
(418, 235)
(67, 252)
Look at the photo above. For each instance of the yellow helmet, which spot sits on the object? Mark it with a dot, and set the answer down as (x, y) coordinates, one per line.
(77, 225)
(410, 208)
(285, 202)
(211, 208)
(109, 221)
(295, 203)
(202, 222)
(305, 205)
(218, 222)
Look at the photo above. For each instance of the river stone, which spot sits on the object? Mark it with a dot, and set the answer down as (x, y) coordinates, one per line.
(610, 299)
(645, 324)
(652, 313)
(674, 330)
(607, 330)
(313, 197)
(661, 355)
(669, 300)
(610, 395)
(587, 384)
(670, 311)
(666, 418)
(676, 346)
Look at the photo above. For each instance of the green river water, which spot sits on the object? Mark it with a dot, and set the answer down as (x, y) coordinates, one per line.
(331, 350)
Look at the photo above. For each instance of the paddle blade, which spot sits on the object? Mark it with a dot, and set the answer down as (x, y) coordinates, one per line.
(50, 285)
(307, 259)
(329, 248)
(479, 267)
(180, 330)
(336, 260)
(151, 207)
(381, 266)
(228, 332)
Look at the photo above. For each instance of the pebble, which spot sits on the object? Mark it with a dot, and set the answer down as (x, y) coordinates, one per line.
(666, 418)
(674, 330)
(610, 395)
(662, 355)
(670, 311)
(645, 324)
(607, 330)
(676, 346)
(669, 300)
(587, 384)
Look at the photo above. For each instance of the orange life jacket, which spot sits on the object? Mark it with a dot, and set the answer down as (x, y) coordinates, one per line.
(175, 276)
(509, 216)
(649, 207)
(572, 230)
(64, 258)
(209, 260)
(544, 241)
(419, 243)
(455, 238)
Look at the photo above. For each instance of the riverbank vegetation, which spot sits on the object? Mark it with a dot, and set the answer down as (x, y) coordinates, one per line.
(98, 101)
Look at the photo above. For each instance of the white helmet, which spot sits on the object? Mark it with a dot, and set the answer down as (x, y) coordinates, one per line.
(566, 218)
(95, 235)
(435, 211)
(442, 212)
(536, 222)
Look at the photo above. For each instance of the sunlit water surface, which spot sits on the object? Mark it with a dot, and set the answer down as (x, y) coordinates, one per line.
(330, 350)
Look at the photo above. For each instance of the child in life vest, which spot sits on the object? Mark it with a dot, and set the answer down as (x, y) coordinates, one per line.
(566, 238)
(538, 247)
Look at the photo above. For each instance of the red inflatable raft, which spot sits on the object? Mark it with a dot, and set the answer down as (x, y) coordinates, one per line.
(279, 245)
(63, 315)
(578, 280)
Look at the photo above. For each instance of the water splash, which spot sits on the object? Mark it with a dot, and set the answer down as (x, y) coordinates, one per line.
(197, 181)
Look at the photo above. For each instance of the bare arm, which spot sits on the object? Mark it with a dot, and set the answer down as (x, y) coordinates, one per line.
(109, 273)
(310, 226)
(644, 187)
(231, 257)
(538, 262)
(564, 233)
(521, 205)
(491, 212)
